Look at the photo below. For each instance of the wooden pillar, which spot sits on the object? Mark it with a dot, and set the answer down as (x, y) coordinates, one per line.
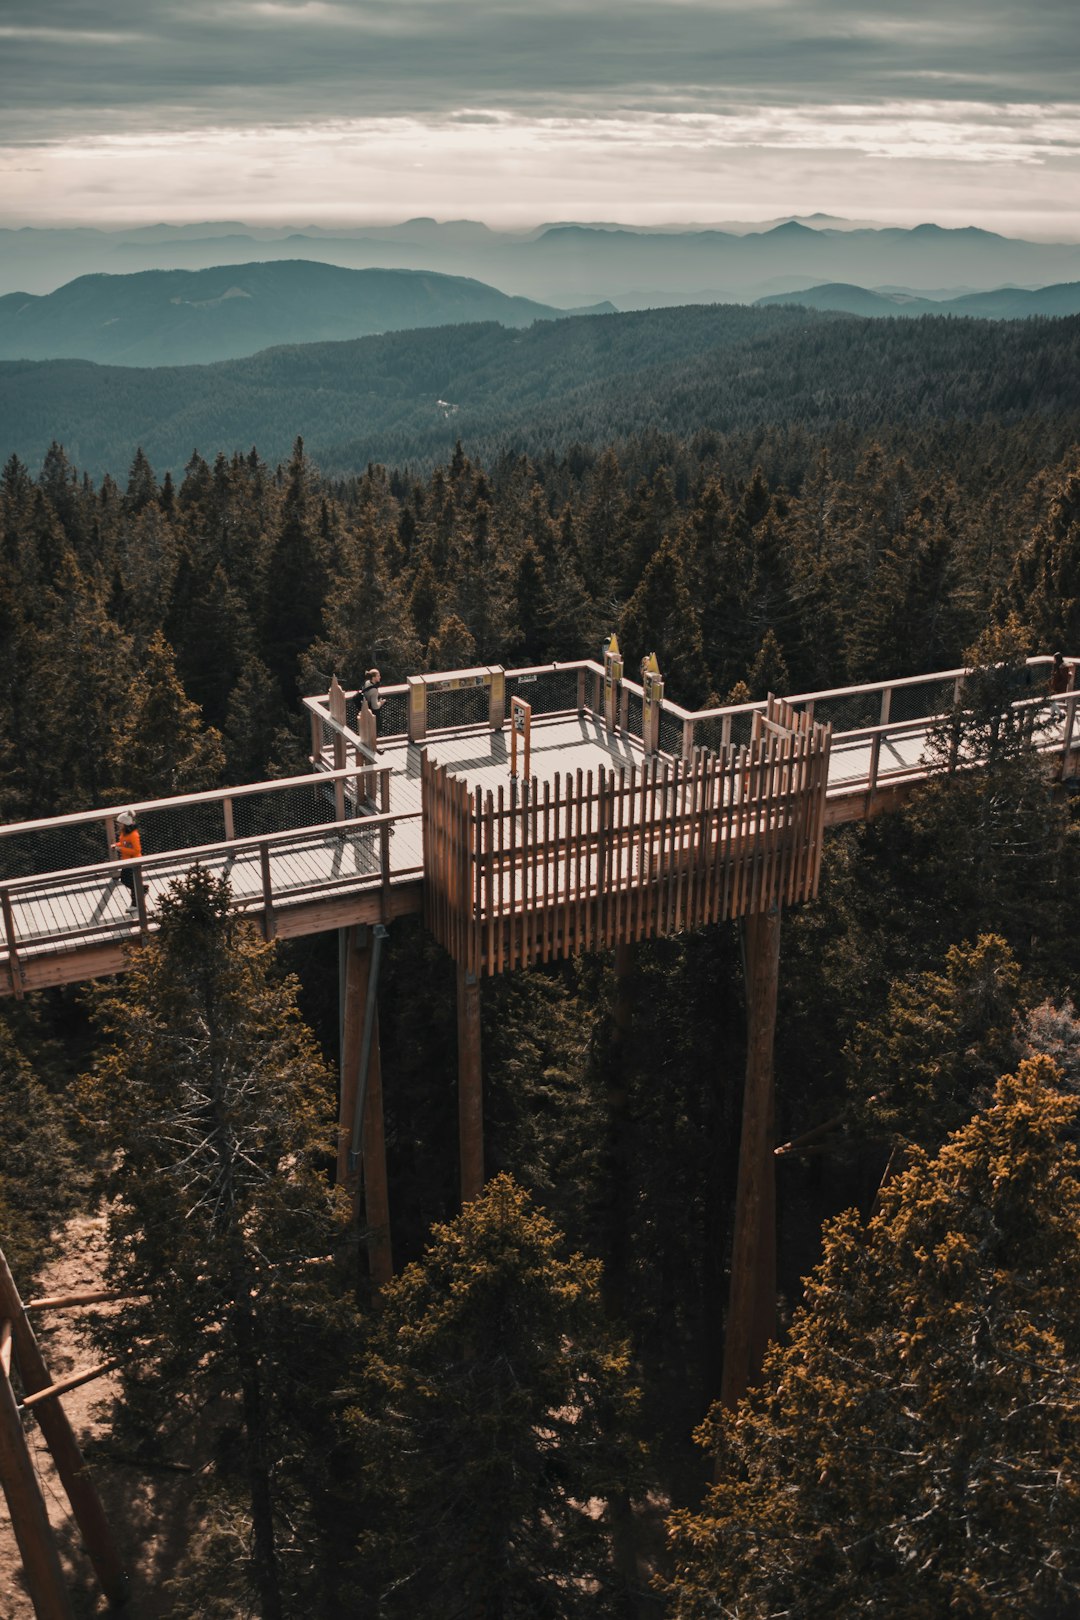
(470, 1085)
(29, 1520)
(60, 1439)
(376, 1187)
(752, 1301)
(622, 1015)
(357, 978)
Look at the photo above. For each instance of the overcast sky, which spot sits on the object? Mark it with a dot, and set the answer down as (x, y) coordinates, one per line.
(517, 111)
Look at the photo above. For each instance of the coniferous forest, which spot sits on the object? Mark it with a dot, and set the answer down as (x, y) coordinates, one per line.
(524, 1424)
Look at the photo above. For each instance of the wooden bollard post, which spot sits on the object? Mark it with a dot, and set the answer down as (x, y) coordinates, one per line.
(752, 1300)
(470, 1085)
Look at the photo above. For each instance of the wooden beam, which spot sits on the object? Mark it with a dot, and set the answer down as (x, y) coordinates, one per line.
(752, 1299)
(72, 1381)
(470, 1085)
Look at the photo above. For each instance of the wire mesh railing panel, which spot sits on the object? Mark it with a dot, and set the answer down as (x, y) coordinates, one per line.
(709, 734)
(671, 734)
(394, 715)
(308, 804)
(634, 712)
(849, 711)
(181, 827)
(547, 692)
(460, 707)
(921, 701)
(53, 849)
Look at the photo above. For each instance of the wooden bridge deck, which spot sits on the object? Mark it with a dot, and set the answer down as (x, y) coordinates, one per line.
(338, 861)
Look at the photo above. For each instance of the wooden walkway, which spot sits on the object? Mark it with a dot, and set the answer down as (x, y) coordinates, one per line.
(346, 844)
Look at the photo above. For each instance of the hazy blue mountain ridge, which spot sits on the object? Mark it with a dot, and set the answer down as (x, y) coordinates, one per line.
(185, 317)
(1004, 304)
(568, 263)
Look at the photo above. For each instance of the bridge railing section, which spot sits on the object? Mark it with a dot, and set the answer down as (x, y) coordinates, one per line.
(875, 726)
(184, 822)
(87, 905)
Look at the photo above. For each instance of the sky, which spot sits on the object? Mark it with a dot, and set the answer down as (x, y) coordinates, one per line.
(337, 112)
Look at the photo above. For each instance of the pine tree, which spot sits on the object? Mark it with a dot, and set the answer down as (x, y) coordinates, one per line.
(911, 1450)
(216, 1111)
(495, 1407)
(162, 746)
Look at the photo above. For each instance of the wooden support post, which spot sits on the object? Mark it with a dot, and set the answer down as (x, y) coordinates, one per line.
(14, 967)
(497, 698)
(60, 1439)
(622, 1016)
(470, 1085)
(29, 1520)
(752, 1300)
(376, 1186)
(417, 716)
(373, 1145)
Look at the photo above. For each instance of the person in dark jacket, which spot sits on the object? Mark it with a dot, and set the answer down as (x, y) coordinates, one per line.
(371, 700)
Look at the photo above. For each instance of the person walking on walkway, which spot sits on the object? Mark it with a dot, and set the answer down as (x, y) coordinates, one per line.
(129, 847)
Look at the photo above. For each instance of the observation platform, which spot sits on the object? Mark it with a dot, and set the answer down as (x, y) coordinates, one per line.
(633, 817)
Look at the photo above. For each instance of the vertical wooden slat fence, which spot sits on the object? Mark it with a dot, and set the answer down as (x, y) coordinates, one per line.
(588, 862)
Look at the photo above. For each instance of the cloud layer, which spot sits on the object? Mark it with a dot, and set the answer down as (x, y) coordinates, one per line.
(693, 89)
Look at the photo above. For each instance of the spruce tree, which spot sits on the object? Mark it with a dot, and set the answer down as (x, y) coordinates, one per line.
(494, 1421)
(216, 1111)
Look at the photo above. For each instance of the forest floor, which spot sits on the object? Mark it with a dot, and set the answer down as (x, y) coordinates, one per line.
(151, 1512)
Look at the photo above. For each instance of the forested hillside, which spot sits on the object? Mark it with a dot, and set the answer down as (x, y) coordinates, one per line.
(793, 502)
(185, 317)
(407, 396)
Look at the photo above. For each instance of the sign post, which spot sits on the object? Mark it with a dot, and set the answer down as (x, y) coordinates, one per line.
(652, 693)
(521, 726)
(613, 674)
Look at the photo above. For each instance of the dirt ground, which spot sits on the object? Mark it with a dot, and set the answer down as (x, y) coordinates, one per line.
(149, 1513)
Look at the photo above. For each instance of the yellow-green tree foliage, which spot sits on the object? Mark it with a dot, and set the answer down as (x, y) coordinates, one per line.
(912, 1450)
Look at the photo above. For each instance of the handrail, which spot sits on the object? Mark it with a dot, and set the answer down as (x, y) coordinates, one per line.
(184, 801)
(190, 855)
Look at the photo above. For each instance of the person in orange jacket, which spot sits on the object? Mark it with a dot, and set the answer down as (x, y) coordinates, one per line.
(129, 847)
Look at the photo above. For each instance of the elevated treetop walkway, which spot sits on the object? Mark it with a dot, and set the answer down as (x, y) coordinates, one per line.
(635, 817)
(527, 815)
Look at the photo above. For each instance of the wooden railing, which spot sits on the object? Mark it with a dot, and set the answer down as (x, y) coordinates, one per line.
(583, 863)
(58, 909)
(874, 714)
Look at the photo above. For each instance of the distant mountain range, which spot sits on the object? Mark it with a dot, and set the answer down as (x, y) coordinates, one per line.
(405, 397)
(1005, 304)
(569, 264)
(186, 317)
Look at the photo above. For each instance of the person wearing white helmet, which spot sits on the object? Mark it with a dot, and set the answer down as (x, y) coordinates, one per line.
(129, 847)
